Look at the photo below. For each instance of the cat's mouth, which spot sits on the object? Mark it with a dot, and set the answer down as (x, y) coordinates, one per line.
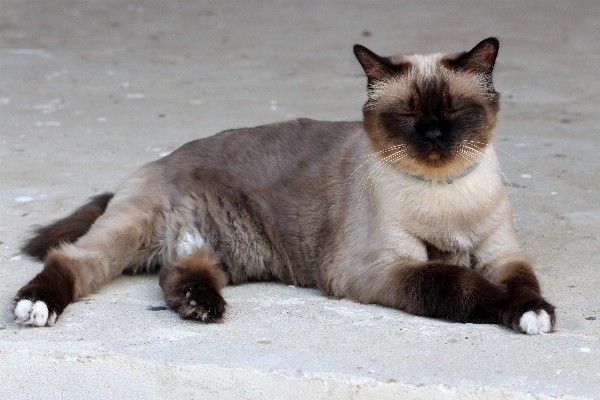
(434, 156)
(437, 159)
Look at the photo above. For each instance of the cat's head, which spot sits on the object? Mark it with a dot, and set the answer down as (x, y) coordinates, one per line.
(431, 115)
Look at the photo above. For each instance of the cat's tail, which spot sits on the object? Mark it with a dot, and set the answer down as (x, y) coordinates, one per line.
(68, 229)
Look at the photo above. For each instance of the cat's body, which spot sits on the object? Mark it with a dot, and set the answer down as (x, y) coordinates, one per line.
(364, 210)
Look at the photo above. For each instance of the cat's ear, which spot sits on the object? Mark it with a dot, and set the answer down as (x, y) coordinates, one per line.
(376, 67)
(481, 58)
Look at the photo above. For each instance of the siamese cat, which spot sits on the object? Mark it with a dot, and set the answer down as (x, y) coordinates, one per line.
(405, 209)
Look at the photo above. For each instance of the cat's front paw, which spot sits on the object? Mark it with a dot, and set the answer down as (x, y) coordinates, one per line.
(535, 322)
(533, 318)
(201, 303)
(34, 313)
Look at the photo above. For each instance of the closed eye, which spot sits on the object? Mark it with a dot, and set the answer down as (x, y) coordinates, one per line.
(471, 111)
(454, 113)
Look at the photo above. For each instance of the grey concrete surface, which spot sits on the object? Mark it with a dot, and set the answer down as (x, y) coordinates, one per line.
(91, 90)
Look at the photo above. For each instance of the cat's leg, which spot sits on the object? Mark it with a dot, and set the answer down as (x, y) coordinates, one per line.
(405, 277)
(527, 310)
(440, 290)
(501, 260)
(428, 288)
(119, 239)
(192, 284)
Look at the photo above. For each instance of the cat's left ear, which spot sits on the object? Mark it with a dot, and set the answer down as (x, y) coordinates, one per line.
(376, 67)
(481, 58)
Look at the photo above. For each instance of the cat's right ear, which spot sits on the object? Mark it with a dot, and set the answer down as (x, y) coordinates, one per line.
(376, 68)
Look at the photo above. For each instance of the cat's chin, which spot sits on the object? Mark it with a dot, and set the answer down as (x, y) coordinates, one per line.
(434, 157)
(436, 162)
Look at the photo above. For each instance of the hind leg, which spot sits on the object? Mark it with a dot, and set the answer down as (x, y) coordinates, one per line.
(119, 239)
(192, 285)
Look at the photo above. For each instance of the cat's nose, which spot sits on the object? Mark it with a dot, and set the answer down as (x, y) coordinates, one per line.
(433, 133)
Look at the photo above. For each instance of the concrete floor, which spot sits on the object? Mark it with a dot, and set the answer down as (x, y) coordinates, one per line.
(91, 90)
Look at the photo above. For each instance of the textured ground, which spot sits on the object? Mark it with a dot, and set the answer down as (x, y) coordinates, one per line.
(91, 90)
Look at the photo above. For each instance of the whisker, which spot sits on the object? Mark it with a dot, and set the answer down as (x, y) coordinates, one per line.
(481, 157)
(373, 155)
(390, 162)
(363, 182)
(511, 156)
(379, 164)
(485, 159)
(474, 157)
(377, 173)
(505, 179)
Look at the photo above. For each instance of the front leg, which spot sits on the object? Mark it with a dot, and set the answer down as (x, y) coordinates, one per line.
(527, 310)
(501, 259)
(434, 289)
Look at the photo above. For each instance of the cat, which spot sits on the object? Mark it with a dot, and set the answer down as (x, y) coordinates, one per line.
(404, 209)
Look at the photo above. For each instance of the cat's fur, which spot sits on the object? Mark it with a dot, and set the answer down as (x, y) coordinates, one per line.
(405, 209)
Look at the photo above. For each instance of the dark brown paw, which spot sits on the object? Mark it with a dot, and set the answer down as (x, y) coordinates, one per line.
(532, 317)
(201, 302)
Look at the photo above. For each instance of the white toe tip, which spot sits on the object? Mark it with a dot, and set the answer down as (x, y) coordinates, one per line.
(544, 322)
(52, 318)
(39, 313)
(22, 310)
(28, 313)
(533, 323)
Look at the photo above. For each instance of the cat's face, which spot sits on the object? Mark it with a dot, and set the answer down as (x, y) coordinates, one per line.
(431, 115)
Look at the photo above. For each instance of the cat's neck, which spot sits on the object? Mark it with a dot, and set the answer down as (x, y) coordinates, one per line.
(450, 179)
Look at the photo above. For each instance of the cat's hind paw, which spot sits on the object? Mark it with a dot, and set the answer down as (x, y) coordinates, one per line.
(534, 323)
(201, 303)
(191, 286)
(36, 314)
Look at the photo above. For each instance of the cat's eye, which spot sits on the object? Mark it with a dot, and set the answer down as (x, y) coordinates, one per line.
(454, 113)
(457, 112)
